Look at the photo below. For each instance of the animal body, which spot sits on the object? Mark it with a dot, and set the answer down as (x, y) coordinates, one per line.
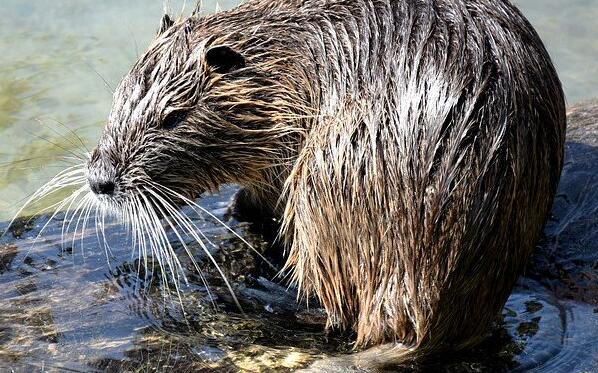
(411, 149)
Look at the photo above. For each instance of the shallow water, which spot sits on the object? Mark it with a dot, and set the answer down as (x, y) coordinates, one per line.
(64, 307)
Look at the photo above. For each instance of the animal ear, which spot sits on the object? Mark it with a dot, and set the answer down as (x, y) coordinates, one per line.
(165, 23)
(224, 59)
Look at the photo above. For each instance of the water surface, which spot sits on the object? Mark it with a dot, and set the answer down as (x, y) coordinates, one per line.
(61, 59)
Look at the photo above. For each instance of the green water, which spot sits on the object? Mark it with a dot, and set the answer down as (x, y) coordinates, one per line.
(59, 60)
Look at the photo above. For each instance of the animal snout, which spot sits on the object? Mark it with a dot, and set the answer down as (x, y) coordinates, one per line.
(101, 185)
(101, 173)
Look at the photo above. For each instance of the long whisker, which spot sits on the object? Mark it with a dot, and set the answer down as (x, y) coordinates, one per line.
(189, 226)
(194, 205)
(169, 208)
(68, 215)
(30, 159)
(52, 206)
(132, 233)
(79, 211)
(162, 237)
(64, 222)
(96, 218)
(70, 130)
(49, 186)
(103, 230)
(172, 259)
(61, 205)
(104, 80)
(71, 152)
(140, 236)
(61, 135)
(154, 247)
(90, 206)
(143, 243)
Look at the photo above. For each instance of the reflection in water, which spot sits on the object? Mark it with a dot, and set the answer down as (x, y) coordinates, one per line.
(63, 306)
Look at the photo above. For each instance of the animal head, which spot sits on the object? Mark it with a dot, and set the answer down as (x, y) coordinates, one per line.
(202, 107)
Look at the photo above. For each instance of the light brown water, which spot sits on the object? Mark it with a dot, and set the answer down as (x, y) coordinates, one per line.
(63, 306)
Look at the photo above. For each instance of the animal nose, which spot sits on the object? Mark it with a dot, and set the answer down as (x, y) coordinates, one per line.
(101, 186)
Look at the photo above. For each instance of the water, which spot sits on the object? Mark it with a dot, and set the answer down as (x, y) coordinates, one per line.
(56, 56)
(64, 307)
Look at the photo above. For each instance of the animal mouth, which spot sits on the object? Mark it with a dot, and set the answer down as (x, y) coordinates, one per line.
(151, 197)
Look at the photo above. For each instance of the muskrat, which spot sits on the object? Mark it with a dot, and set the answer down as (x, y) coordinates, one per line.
(410, 149)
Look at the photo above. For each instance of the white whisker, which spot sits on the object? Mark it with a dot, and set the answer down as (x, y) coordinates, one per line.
(77, 215)
(156, 252)
(161, 201)
(62, 204)
(189, 226)
(47, 189)
(171, 257)
(194, 205)
(65, 219)
(90, 206)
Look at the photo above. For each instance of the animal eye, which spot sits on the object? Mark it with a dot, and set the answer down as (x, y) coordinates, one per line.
(173, 119)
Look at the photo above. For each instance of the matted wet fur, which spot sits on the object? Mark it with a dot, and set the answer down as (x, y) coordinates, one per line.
(411, 148)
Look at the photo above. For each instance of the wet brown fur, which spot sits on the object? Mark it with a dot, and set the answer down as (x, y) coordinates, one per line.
(411, 148)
